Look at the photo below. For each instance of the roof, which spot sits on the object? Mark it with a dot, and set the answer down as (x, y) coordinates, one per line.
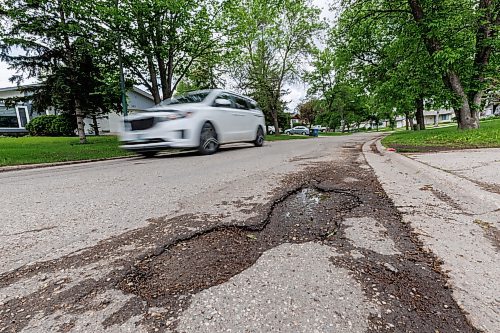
(135, 89)
(18, 87)
(143, 93)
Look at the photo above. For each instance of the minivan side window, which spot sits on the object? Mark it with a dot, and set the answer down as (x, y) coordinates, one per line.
(241, 103)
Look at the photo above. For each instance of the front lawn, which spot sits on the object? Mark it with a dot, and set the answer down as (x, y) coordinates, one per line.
(333, 133)
(35, 150)
(487, 136)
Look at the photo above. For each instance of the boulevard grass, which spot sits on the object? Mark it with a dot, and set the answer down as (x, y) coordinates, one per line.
(36, 150)
(284, 137)
(487, 136)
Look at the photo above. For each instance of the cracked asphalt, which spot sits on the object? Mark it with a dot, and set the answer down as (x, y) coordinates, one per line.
(297, 236)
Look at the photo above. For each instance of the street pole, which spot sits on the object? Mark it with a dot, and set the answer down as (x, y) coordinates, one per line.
(122, 75)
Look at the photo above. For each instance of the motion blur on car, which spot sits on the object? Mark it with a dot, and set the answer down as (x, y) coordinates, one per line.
(201, 120)
(300, 130)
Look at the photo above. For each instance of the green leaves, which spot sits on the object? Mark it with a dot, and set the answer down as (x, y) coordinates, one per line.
(273, 40)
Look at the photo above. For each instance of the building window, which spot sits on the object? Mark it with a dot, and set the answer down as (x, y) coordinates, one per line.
(445, 117)
(8, 117)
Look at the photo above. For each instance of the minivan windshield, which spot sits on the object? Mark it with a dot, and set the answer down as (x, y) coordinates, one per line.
(192, 97)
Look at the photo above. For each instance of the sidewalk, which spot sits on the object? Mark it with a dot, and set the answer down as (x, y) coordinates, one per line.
(451, 201)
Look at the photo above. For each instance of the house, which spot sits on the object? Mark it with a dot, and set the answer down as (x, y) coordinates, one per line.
(436, 117)
(295, 120)
(13, 120)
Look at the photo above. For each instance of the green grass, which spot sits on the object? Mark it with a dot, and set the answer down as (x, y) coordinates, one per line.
(284, 137)
(487, 136)
(333, 134)
(35, 150)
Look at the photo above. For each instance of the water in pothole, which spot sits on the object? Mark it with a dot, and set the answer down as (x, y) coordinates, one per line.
(305, 203)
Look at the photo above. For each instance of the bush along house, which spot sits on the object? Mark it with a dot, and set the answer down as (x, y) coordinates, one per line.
(14, 118)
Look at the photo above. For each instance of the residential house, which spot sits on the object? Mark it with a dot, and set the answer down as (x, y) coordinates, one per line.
(436, 117)
(13, 119)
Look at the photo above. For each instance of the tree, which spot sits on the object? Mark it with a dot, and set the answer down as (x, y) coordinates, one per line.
(308, 111)
(455, 41)
(273, 39)
(164, 41)
(58, 49)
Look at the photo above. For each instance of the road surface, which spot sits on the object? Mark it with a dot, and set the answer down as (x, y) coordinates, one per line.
(297, 236)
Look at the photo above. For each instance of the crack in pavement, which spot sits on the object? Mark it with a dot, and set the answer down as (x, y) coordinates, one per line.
(29, 231)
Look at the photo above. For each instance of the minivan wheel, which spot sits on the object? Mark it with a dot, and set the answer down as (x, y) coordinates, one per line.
(208, 140)
(259, 139)
(148, 154)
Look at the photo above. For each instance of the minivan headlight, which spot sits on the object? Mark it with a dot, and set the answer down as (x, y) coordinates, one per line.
(173, 116)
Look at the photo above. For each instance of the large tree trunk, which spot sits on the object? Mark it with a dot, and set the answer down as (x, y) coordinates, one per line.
(144, 40)
(419, 114)
(169, 89)
(412, 123)
(157, 36)
(80, 126)
(163, 76)
(154, 82)
(95, 125)
(467, 115)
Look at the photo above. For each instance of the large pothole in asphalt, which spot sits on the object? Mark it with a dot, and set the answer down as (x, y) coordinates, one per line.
(167, 279)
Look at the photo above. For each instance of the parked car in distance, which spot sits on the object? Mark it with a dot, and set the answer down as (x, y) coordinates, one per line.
(202, 120)
(301, 130)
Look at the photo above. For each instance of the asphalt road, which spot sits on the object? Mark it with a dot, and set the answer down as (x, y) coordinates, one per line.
(51, 212)
(297, 236)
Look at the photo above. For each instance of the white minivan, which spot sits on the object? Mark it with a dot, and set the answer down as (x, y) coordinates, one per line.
(202, 120)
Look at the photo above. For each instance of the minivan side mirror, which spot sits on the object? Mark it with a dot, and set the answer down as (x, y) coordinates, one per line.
(222, 102)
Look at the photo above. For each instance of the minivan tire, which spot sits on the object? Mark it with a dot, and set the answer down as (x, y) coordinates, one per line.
(208, 140)
(259, 138)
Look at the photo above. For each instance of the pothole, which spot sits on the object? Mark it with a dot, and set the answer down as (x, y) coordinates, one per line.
(169, 278)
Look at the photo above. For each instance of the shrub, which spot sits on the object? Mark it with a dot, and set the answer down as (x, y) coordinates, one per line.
(40, 126)
(50, 125)
(63, 125)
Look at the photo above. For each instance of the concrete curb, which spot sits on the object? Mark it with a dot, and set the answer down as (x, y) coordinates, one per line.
(484, 201)
(57, 164)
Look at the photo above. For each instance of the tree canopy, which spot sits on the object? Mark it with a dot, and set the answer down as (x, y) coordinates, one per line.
(377, 59)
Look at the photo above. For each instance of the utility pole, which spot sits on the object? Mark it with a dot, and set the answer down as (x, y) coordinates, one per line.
(120, 64)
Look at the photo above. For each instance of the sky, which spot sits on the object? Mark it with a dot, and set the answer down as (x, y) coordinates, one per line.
(297, 91)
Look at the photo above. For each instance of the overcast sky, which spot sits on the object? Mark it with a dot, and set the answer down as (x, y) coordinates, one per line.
(297, 91)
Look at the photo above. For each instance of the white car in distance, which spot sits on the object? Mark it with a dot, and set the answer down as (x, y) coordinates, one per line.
(202, 120)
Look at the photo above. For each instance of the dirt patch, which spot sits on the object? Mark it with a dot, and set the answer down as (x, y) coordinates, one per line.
(491, 233)
(445, 198)
(410, 288)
